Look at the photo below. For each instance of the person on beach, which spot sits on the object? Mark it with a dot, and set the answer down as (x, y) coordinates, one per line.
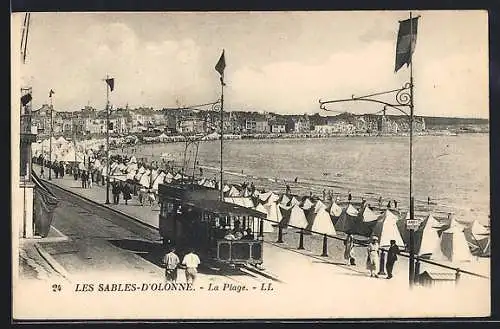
(84, 179)
(171, 262)
(349, 197)
(348, 246)
(392, 257)
(115, 190)
(395, 204)
(428, 200)
(288, 191)
(191, 261)
(380, 202)
(296, 179)
(389, 205)
(372, 260)
(126, 193)
(42, 174)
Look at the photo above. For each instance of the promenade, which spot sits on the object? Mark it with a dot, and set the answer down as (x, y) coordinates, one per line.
(312, 286)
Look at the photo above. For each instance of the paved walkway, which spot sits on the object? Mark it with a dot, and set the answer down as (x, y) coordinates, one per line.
(315, 286)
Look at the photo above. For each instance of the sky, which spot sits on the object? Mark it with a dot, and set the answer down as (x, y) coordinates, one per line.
(281, 62)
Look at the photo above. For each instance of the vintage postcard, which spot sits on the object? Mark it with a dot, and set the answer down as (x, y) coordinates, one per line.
(250, 165)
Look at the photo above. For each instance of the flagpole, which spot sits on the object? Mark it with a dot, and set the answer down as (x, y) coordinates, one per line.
(221, 133)
(107, 140)
(412, 205)
(51, 133)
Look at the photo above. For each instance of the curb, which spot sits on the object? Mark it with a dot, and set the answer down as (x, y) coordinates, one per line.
(104, 206)
(52, 262)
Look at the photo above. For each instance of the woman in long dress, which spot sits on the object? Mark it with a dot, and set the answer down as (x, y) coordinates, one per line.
(372, 261)
(348, 245)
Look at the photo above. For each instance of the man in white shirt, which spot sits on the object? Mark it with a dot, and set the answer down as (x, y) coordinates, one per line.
(191, 262)
(171, 261)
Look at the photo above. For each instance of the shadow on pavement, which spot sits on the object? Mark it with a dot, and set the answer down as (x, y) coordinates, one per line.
(153, 252)
(150, 251)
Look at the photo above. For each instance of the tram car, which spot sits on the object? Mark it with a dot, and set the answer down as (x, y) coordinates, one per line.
(192, 216)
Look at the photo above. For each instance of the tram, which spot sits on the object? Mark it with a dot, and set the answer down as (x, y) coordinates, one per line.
(192, 216)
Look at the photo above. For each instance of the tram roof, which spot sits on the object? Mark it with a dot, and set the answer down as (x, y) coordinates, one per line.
(220, 207)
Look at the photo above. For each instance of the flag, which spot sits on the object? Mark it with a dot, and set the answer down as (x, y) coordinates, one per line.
(25, 99)
(111, 83)
(51, 92)
(407, 38)
(221, 64)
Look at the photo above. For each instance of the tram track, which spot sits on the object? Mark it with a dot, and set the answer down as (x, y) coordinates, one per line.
(151, 233)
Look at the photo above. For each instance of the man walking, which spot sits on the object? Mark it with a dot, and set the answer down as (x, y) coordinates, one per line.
(191, 262)
(391, 258)
(171, 262)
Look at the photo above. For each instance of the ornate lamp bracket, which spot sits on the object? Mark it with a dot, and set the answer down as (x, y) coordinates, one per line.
(401, 95)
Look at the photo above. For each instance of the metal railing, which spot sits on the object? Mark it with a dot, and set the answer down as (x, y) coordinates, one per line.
(383, 251)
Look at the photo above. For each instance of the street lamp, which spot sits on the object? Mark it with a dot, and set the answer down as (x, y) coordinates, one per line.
(404, 99)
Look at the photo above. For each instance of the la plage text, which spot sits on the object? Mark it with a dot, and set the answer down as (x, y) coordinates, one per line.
(166, 287)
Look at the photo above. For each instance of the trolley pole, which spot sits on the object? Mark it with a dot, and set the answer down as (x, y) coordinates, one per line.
(411, 267)
(107, 140)
(222, 84)
(51, 135)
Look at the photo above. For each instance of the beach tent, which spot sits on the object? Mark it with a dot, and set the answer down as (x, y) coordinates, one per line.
(256, 193)
(478, 229)
(273, 212)
(158, 178)
(246, 193)
(146, 179)
(366, 221)
(322, 223)
(273, 197)
(386, 229)
(226, 188)
(202, 181)
(131, 175)
(297, 218)
(453, 246)
(133, 160)
(307, 204)
(335, 210)
(478, 238)
(284, 199)
(168, 178)
(294, 201)
(264, 196)
(318, 206)
(347, 220)
(427, 237)
(177, 176)
(268, 227)
(233, 192)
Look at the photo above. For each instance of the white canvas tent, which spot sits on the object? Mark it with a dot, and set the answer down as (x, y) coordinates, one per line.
(233, 192)
(273, 212)
(268, 227)
(318, 206)
(322, 223)
(294, 201)
(307, 204)
(284, 200)
(335, 210)
(386, 230)
(347, 220)
(430, 236)
(453, 246)
(297, 217)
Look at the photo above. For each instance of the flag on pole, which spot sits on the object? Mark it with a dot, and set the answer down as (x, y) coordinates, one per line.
(111, 83)
(221, 64)
(51, 92)
(407, 38)
(25, 99)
